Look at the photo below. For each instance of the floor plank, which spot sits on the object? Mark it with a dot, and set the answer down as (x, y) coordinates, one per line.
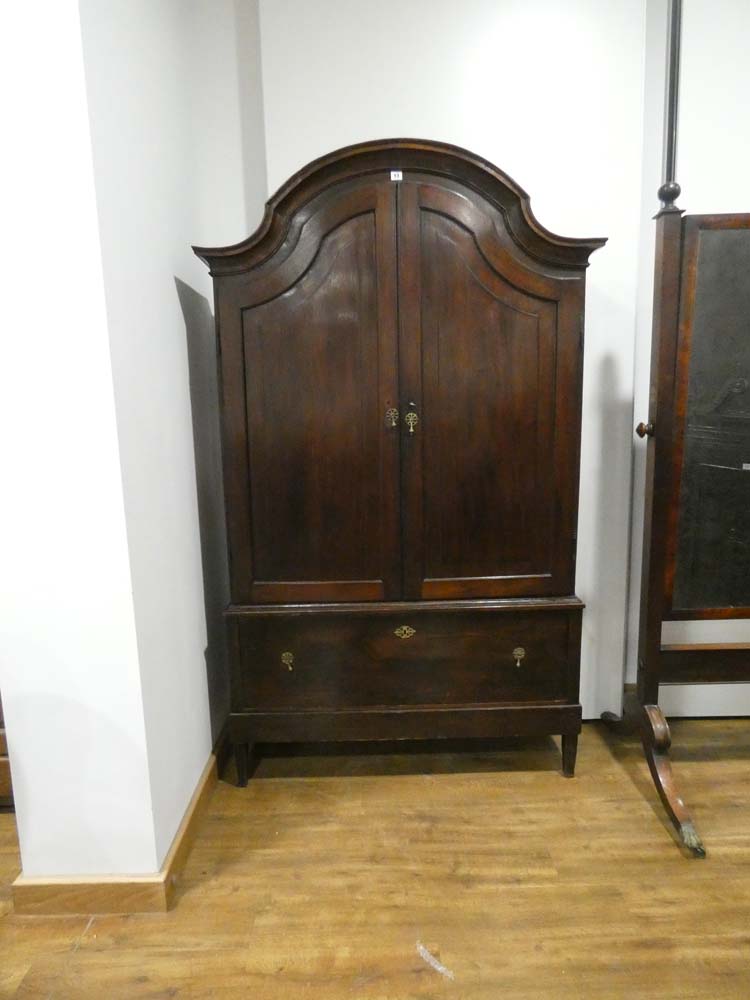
(334, 874)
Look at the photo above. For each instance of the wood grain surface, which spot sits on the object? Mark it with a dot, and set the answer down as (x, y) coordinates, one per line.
(323, 877)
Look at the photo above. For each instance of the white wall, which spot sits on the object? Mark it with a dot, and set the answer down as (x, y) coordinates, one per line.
(68, 664)
(108, 396)
(552, 93)
(713, 158)
(166, 103)
(713, 152)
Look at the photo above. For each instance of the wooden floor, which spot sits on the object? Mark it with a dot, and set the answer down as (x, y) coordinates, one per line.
(482, 874)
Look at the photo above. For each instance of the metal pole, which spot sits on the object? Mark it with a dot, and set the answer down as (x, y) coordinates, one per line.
(670, 189)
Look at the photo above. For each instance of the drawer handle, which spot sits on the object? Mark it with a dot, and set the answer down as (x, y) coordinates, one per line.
(288, 660)
(518, 654)
(404, 631)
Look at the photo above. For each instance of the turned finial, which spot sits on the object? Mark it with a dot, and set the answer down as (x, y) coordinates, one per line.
(668, 194)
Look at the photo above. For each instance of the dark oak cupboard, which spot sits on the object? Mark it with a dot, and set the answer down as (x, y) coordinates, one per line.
(400, 349)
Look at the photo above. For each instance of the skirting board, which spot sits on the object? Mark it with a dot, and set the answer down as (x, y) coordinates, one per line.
(119, 893)
(6, 790)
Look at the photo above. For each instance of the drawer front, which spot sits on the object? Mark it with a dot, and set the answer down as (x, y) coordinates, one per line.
(345, 661)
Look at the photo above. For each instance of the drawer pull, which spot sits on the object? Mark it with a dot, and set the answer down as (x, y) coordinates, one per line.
(404, 631)
(288, 660)
(518, 654)
(411, 419)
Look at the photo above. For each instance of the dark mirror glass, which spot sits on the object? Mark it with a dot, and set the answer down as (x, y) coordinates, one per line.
(712, 558)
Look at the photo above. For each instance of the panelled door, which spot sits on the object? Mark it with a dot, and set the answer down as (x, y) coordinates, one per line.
(312, 489)
(486, 343)
(401, 432)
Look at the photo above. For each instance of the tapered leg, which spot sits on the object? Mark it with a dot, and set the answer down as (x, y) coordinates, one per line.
(241, 759)
(569, 752)
(656, 743)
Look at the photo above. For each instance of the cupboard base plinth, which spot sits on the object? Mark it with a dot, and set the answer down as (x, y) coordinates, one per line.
(426, 723)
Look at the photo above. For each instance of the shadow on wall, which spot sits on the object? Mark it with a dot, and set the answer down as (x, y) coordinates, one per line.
(250, 94)
(612, 531)
(204, 402)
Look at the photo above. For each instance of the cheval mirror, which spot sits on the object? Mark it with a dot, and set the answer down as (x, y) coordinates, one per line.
(697, 512)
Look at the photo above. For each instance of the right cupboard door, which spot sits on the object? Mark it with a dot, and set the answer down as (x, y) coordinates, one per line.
(490, 365)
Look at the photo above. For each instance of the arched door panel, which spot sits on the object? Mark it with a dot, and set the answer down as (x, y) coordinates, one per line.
(490, 363)
(314, 364)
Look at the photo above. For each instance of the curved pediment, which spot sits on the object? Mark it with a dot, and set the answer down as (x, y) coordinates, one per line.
(384, 155)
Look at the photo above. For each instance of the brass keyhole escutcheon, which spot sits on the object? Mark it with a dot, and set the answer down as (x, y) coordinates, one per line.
(391, 417)
(411, 420)
(518, 654)
(404, 631)
(288, 660)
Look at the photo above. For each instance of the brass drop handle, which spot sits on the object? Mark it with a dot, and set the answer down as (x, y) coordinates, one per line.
(411, 419)
(288, 660)
(518, 654)
(391, 417)
(645, 430)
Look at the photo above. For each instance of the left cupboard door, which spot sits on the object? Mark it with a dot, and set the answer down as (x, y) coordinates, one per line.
(309, 365)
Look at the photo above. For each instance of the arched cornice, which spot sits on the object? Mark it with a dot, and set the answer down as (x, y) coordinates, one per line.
(417, 155)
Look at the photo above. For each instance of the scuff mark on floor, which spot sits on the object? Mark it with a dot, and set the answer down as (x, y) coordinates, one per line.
(428, 957)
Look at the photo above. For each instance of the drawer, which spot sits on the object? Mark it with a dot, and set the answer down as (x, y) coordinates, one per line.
(331, 661)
